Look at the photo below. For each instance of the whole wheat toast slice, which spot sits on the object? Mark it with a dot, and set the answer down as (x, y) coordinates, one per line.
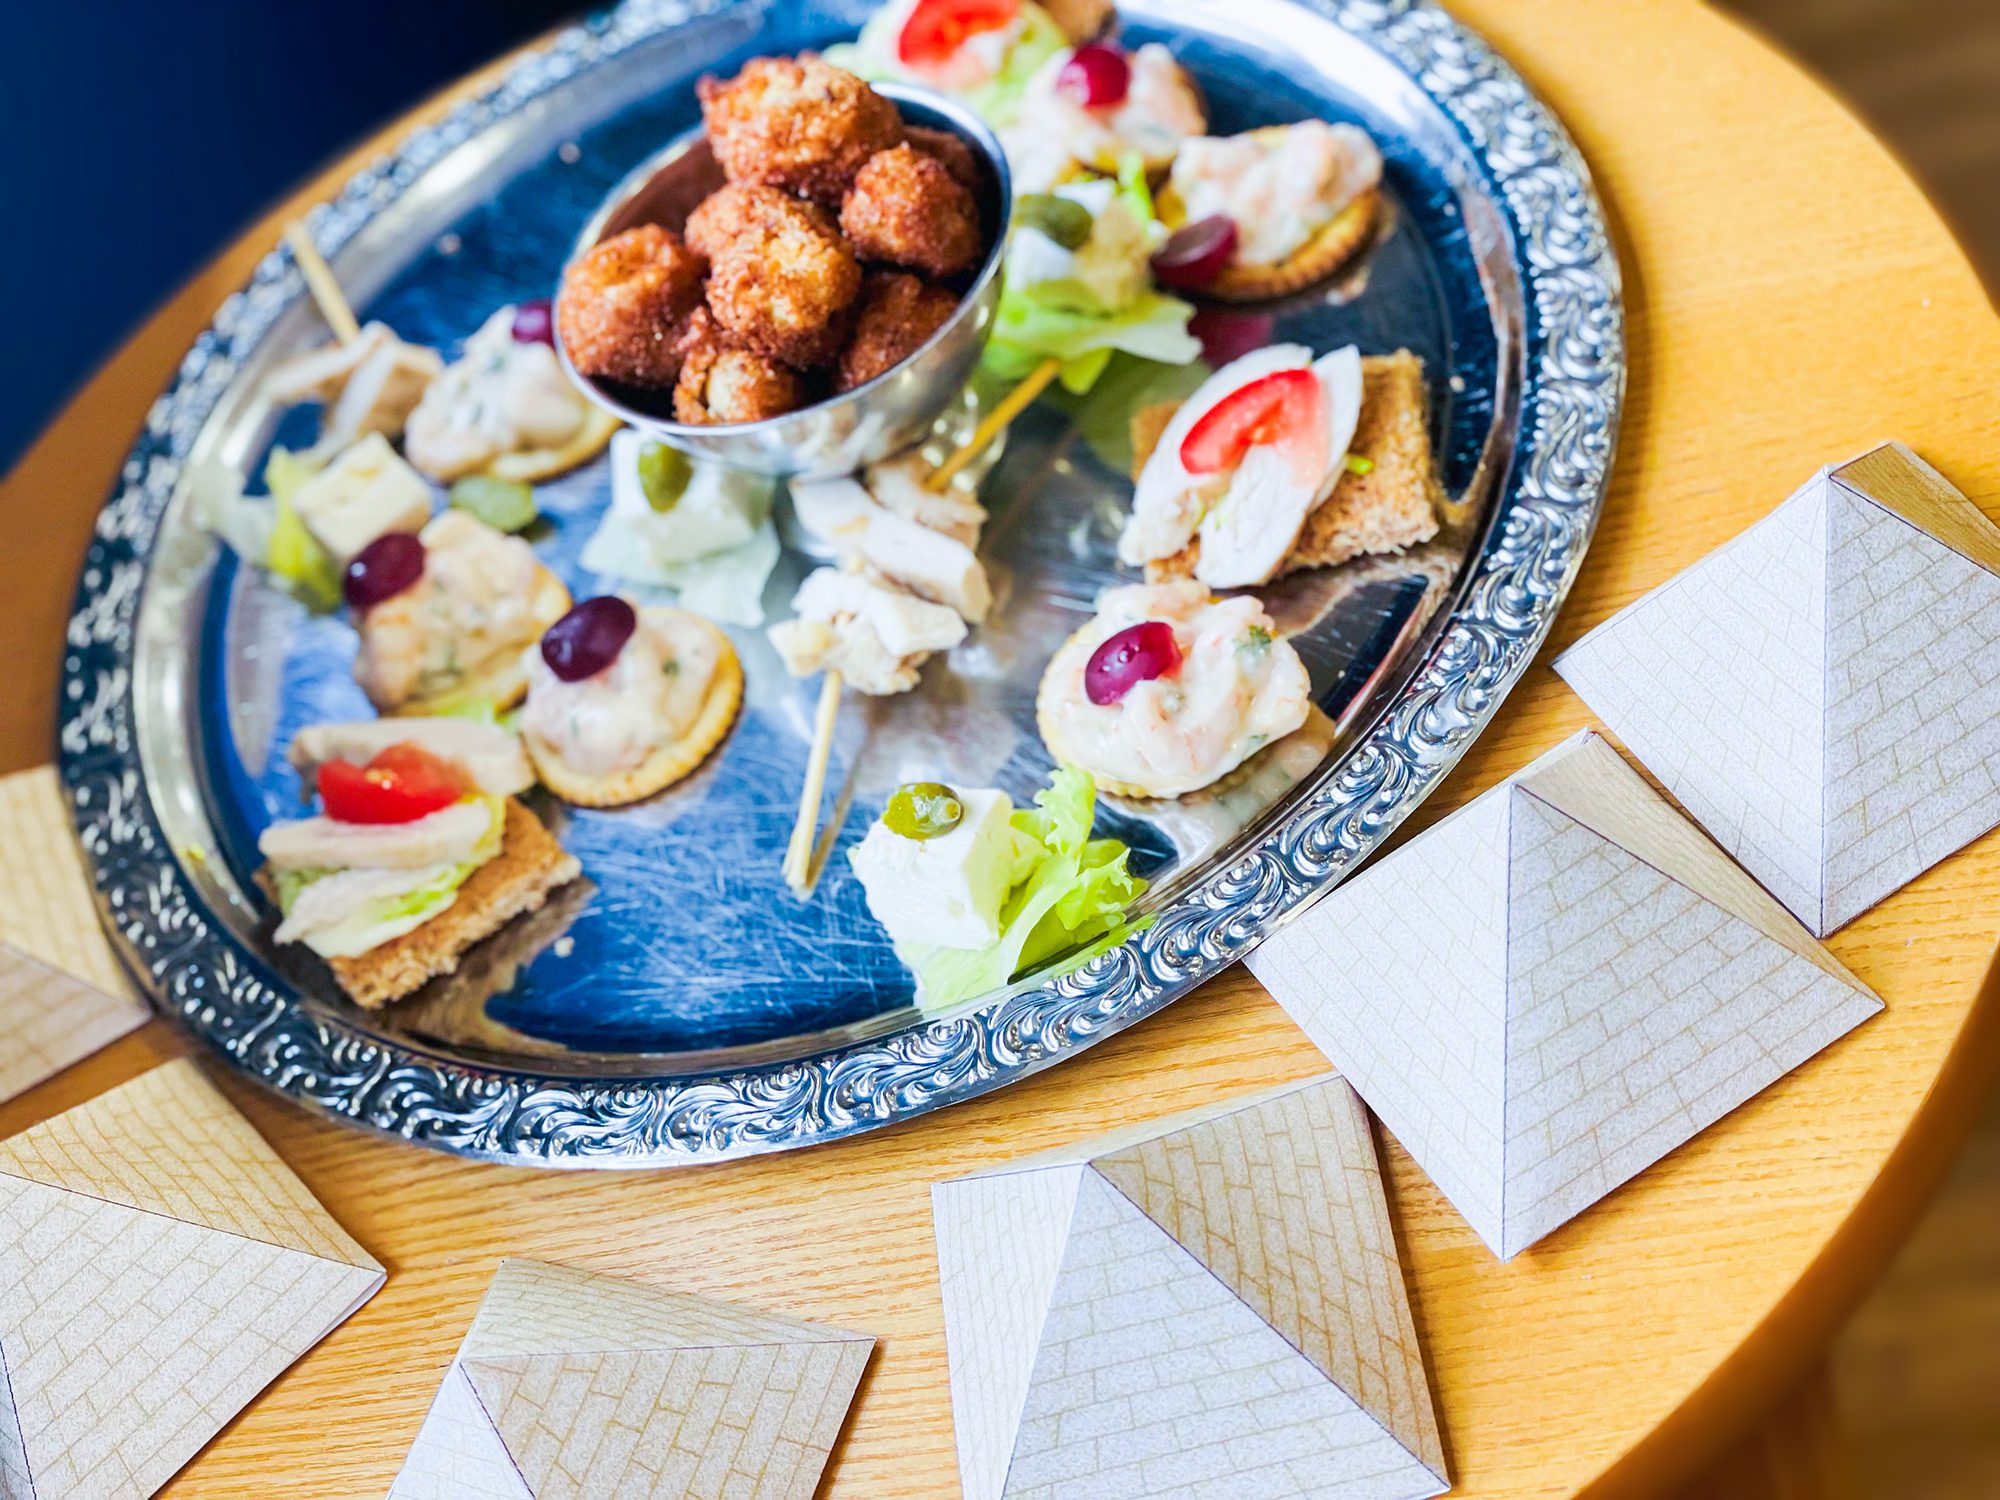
(1392, 506)
(529, 866)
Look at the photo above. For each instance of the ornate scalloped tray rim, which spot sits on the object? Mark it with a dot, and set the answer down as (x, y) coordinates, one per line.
(1572, 396)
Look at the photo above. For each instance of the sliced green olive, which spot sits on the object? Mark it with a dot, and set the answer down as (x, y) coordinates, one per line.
(664, 474)
(1067, 223)
(503, 504)
(923, 810)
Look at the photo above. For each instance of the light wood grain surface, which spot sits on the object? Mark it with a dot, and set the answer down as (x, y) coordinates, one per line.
(1792, 300)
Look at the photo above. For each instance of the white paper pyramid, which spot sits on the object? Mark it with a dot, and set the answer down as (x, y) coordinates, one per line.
(572, 1384)
(49, 1020)
(1554, 987)
(1823, 692)
(159, 1266)
(1205, 1306)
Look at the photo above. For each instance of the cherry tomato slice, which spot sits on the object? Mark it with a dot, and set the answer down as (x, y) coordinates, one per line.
(1282, 405)
(938, 28)
(402, 784)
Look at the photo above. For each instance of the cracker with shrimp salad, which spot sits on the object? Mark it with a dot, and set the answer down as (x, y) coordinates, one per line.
(666, 765)
(1389, 508)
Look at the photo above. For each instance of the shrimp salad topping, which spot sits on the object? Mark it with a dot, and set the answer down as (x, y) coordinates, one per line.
(1229, 688)
(647, 697)
(474, 602)
(1279, 186)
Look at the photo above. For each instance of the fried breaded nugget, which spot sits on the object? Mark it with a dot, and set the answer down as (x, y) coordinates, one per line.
(949, 148)
(898, 312)
(739, 209)
(624, 305)
(907, 208)
(721, 382)
(782, 281)
(796, 123)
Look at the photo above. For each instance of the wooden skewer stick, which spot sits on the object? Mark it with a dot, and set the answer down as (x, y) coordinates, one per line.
(994, 423)
(799, 856)
(321, 283)
(802, 853)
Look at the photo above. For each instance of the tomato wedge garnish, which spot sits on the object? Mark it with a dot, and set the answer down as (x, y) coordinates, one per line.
(938, 28)
(402, 784)
(1286, 407)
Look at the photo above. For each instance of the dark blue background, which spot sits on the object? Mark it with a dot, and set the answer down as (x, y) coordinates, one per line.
(142, 135)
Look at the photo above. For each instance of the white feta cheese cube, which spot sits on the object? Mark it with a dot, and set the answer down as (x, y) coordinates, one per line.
(367, 491)
(720, 508)
(947, 891)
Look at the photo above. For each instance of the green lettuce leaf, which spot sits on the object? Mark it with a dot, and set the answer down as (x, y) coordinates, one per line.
(479, 710)
(389, 918)
(294, 556)
(1069, 897)
(1034, 324)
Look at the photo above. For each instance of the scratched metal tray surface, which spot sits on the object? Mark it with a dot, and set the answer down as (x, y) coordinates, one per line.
(680, 1004)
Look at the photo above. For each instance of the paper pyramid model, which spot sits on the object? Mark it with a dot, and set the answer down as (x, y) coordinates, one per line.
(573, 1384)
(159, 1266)
(1822, 693)
(62, 993)
(49, 1020)
(1209, 1305)
(1554, 987)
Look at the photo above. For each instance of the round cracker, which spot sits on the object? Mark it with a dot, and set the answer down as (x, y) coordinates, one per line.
(532, 465)
(666, 765)
(503, 682)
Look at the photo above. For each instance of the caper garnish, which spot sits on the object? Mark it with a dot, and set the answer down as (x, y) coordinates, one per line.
(664, 474)
(1067, 223)
(923, 810)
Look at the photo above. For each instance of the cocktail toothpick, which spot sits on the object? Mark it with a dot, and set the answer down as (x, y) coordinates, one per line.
(321, 283)
(799, 854)
(994, 423)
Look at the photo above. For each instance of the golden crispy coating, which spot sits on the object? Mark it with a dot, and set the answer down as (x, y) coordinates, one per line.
(730, 213)
(782, 281)
(949, 148)
(898, 312)
(796, 123)
(907, 208)
(723, 383)
(624, 304)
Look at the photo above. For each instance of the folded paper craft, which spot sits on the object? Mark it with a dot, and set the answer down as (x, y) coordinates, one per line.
(1554, 987)
(1823, 692)
(1208, 1305)
(49, 1020)
(62, 994)
(572, 1384)
(159, 1266)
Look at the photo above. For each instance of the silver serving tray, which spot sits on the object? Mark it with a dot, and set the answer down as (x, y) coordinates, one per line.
(680, 1006)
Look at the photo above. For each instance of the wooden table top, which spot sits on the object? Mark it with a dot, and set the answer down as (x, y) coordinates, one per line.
(1792, 300)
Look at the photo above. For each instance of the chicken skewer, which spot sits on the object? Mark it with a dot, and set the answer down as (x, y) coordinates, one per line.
(967, 591)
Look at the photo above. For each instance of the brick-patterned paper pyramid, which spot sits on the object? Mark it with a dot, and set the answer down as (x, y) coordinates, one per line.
(49, 1020)
(572, 1384)
(1823, 692)
(159, 1266)
(1209, 1305)
(62, 994)
(1553, 988)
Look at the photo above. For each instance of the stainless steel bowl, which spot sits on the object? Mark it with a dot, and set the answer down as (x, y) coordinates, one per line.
(844, 432)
